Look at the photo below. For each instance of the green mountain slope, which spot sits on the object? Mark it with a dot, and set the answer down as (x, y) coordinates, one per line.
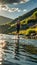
(28, 24)
(27, 20)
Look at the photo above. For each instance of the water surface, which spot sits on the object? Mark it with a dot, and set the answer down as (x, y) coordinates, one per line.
(24, 53)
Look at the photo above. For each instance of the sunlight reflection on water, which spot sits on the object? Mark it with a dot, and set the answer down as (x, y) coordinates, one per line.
(12, 53)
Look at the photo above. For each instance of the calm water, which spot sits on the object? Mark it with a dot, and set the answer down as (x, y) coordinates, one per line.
(24, 53)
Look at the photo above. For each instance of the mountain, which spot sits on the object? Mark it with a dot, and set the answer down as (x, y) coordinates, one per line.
(28, 14)
(28, 23)
(4, 20)
(25, 19)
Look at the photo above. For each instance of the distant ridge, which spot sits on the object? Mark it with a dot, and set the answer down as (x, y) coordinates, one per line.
(4, 20)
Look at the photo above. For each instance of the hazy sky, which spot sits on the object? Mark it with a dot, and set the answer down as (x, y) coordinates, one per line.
(14, 8)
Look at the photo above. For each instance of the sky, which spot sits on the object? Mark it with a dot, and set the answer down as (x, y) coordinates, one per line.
(15, 8)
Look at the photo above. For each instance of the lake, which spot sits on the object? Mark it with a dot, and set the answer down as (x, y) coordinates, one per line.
(22, 52)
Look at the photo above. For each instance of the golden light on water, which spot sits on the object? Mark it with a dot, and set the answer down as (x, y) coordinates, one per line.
(1, 55)
(2, 45)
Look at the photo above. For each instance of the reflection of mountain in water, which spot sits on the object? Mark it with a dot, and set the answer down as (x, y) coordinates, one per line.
(14, 54)
(13, 38)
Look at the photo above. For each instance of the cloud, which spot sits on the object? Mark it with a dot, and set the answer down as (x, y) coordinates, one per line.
(13, 1)
(24, 10)
(11, 10)
(6, 8)
(14, 10)
(24, 1)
